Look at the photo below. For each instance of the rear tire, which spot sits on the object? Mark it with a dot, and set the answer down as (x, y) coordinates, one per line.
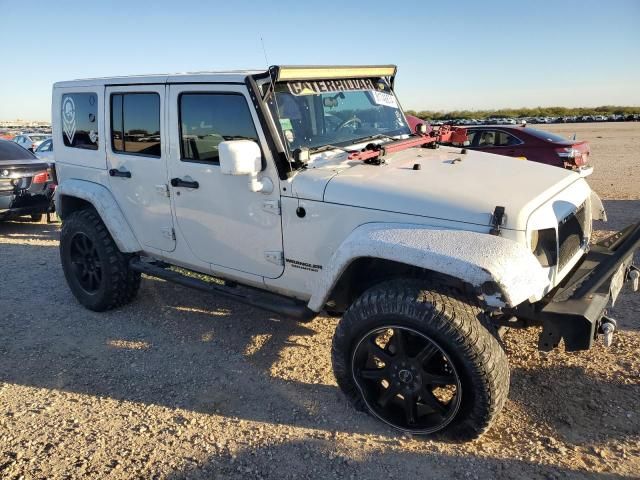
(97, 272)
(438, 345)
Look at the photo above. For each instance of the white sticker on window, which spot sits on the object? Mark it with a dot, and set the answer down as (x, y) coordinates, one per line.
(386, 99)
(69, 118)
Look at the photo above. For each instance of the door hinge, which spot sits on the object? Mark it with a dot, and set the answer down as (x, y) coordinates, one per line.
(276, 258)
(271, 206)
(163, 190)
(169, 233)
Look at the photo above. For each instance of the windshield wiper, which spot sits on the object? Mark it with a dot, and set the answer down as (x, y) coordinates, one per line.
(237, 137)
(374, 137)
(324, 148)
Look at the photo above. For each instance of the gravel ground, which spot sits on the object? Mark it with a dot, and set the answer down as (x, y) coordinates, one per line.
(184, 385)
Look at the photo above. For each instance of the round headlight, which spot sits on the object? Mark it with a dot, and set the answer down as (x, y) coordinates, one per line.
(5, 173)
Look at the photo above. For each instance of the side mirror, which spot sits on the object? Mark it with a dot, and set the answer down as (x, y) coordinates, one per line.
(240, 157)
(243, 157)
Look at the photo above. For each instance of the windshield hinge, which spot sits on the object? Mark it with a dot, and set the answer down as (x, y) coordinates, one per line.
(497, 220)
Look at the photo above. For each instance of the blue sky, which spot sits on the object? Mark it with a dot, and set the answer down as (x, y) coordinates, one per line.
(451, 55)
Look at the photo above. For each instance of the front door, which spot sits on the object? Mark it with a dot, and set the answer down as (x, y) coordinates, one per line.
(223, 222)
(137, 149)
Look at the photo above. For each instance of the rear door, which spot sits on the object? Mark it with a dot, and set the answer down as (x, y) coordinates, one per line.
(137, 149)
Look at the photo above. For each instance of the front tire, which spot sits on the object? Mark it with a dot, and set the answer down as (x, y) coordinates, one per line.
(97, 272)
(421, 360)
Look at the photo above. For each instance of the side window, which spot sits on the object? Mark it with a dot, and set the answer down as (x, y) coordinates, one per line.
(206, 119)
(135, 123)
(45, 146)
(487, 138)
(504, 139)
(80, 120)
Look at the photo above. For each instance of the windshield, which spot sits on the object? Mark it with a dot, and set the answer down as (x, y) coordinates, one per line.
(313, 114)
(38, 138)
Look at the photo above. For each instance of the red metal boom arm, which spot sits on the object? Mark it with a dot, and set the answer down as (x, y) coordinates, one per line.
(445, 134)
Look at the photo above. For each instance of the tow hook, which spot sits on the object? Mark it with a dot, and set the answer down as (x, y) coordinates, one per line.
(607, 327)
(634, 276)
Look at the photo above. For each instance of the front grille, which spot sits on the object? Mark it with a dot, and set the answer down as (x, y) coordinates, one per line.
(572, 231)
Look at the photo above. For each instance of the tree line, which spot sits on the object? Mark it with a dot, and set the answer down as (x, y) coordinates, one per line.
(526, 112)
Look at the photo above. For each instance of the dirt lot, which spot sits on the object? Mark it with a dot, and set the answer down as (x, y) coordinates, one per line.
(184, 385)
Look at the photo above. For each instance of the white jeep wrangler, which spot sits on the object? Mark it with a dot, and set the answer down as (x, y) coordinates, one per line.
(302, 189)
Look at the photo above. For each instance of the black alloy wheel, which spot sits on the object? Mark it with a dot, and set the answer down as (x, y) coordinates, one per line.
(86, 262)
(406, 379)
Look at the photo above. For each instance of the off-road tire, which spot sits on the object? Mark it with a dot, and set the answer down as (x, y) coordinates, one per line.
(119, 284)
(458, 327)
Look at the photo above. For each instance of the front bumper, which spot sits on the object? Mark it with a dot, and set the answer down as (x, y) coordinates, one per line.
(574, 310)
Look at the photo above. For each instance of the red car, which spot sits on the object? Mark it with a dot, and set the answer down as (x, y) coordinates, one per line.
(522, 142)
(528, 143)
(415, 121)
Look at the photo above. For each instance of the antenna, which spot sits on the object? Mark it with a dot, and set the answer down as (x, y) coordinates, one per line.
(264, 50)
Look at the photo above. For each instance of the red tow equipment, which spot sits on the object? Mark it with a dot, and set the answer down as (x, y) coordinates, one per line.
(445, 134)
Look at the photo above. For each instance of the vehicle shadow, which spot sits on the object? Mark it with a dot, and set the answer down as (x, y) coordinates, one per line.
(315, 458)
(172, 346)
(22, 229)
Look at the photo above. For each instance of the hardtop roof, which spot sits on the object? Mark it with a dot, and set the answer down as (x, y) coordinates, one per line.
(232, 76)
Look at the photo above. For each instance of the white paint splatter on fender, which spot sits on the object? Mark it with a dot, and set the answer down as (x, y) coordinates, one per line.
(475, 258)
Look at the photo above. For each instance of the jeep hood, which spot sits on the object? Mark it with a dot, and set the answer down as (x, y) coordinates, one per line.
(465, 190)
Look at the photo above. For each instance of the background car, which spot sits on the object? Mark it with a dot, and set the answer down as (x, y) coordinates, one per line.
(30, 141)
(529, 143)
(413, 122)
(45, 151)
(26, 186)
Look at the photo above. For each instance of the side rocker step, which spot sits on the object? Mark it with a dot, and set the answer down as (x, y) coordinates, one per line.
(248, 295)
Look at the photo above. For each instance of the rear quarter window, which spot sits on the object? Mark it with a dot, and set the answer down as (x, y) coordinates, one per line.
(80, 120)
(542, 135)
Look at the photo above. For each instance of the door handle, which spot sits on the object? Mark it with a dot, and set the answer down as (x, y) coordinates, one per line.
(178, 182)
(114, 172)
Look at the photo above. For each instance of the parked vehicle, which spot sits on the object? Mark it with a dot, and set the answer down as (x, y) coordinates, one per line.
(306, 187)
(26, 186)
(30, 141)
(413, 122)
(530, 144)
(45, 151)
